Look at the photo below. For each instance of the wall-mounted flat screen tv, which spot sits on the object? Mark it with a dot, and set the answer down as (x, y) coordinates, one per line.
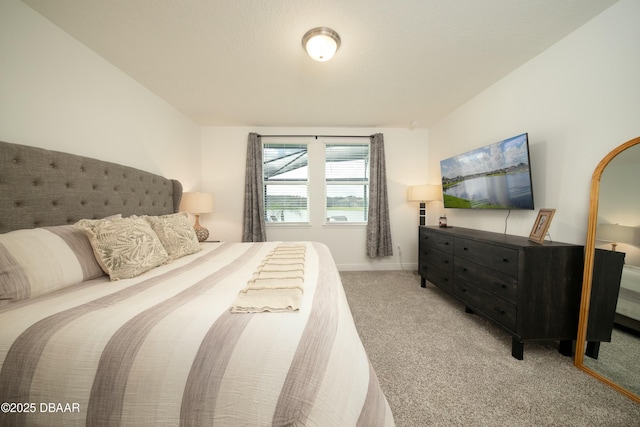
(497, 176)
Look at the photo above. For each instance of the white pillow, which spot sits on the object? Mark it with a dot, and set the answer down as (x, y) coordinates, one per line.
(41, 260)
(124, 247)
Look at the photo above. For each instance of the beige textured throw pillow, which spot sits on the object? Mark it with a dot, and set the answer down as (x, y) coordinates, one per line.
(175, 233)
(124, 247)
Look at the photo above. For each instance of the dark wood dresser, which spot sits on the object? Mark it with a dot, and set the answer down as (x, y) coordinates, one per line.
(531, 290)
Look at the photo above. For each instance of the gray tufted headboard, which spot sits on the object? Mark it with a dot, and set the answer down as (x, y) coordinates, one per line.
(41, 188)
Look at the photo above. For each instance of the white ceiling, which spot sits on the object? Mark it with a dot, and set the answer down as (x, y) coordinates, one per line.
(241, 62)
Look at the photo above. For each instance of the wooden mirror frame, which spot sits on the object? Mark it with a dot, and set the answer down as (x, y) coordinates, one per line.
(588, 268)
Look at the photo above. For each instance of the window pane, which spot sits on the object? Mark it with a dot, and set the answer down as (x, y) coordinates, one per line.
(347, 202)
(347, 182)
(346, 162)
(286, 203)
(285, 174)
(285, 161)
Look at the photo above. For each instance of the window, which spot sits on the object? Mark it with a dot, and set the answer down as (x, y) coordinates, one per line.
(285, 178)
(347, 182)
(316, 182)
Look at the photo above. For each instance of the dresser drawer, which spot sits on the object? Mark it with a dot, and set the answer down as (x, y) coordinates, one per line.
(488, 304)
(491, 256)
(439, 277)
(495, 282)
(440, 259)
(436, 240)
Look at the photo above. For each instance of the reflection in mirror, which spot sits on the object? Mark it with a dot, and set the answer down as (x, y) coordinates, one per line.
(609, 335)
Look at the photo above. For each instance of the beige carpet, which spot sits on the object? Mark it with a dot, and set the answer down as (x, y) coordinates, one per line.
(619, 360)
(439, 366)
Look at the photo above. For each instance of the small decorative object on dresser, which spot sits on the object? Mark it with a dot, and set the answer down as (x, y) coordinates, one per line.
(530, 290)
(540, 227)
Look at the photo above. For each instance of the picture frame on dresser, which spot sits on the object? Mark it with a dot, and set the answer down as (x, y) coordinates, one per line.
(541, 225)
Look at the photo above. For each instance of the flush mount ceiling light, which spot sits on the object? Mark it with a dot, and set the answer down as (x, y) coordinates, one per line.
(321, 43)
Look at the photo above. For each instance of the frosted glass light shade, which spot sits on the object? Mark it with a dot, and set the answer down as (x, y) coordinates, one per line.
(321, 43)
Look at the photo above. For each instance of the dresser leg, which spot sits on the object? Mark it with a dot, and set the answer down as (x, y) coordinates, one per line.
(423, 282)
(517, 348)
(593, 348)
(566, 348)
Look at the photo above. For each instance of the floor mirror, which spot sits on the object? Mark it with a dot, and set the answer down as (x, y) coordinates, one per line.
(608, 345)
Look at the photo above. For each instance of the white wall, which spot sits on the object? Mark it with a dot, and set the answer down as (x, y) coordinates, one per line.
(577, 100)
(55, 93)
(223, 164)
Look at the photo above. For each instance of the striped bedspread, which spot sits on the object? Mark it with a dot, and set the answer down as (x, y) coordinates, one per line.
(165, 349)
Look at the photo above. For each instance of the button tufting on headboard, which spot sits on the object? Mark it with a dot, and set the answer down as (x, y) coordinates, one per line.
(48, 188)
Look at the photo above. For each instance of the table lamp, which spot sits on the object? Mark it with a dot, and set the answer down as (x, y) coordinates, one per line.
(423, 194)
(614, 234)
(198, 203)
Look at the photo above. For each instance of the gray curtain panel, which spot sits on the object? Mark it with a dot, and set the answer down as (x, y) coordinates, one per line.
(378, 227)
(254, 229)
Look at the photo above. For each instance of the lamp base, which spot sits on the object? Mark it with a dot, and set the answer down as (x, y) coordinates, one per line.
(201, 233)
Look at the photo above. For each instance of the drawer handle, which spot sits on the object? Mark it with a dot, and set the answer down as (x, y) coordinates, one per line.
(446, 262)
(465, 249)
(464, 269)
(499, 310)
(505, 259)
(446, 243)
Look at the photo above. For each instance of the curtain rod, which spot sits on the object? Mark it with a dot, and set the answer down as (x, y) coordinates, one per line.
(316, 136)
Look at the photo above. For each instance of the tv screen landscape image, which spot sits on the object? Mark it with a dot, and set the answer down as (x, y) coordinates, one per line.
(496, 176)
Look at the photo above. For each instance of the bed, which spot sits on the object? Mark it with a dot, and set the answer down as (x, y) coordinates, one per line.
(628, 308)
(84, 341)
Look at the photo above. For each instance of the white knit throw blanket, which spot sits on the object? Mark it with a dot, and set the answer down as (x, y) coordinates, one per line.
(277, 284)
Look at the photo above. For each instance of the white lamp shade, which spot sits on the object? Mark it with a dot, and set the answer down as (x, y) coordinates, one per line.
(197, 203)
(616, 233)
(424, 193)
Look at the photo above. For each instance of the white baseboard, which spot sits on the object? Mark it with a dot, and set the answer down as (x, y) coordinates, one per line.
(378, 267)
